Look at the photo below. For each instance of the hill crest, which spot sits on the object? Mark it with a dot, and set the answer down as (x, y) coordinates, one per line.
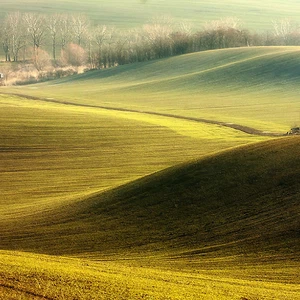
(240, 202)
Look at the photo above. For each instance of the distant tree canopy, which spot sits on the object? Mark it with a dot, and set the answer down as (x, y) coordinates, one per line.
(73, 39)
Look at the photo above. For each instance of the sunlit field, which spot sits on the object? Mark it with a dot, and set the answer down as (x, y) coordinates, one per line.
(51, 152)
(130, 182)
(256, 87)
(133, 13)
(159, 237)
(37, 276)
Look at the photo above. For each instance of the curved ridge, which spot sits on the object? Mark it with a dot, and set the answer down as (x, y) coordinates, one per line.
(243, 200)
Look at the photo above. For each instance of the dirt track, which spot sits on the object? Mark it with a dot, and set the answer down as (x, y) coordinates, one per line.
(242, 128)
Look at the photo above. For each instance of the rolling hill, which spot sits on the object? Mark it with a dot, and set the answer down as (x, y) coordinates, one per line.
(133, 13)
(255, 87)
(239, 202)
(227, 225)
(113, 188)
(52, 153)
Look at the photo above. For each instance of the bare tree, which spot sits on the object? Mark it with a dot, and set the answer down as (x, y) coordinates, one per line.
(80, 25)
(53, 25)
(182, 39)
(134, 45)
(110, 41)
(158, 34)
(121, 51)
(100, 34)
(283, 29)
(64, 29)
(36, 29)
(6, 40)
(222, 33)
(16, 35)
(227, 23)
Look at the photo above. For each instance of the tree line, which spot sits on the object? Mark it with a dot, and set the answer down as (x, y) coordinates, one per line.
(63, 39)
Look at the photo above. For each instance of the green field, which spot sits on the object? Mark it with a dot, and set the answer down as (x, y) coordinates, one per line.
(132, 13)
(55, 152)
(167, 236)
(256, 87)
(68, 278)
(113, 188)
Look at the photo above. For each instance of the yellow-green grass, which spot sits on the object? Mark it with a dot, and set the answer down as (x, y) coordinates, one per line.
(52, 153)
(132, 13)
(222, 227)
(29, 276)
(241, 202)
(257, 87)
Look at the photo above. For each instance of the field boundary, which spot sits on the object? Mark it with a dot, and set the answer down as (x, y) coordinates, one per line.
(245, 129)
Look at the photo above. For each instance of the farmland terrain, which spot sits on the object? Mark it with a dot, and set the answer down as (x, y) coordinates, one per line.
(112, 187)
(255, 87)
(133, 13)
(220, 222)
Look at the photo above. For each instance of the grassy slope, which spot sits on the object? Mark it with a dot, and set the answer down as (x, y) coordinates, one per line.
(62, 278)
(52, 153)
(240, 243)
(257, 87)
(237, 202)
(132, 13)
(227, 225)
